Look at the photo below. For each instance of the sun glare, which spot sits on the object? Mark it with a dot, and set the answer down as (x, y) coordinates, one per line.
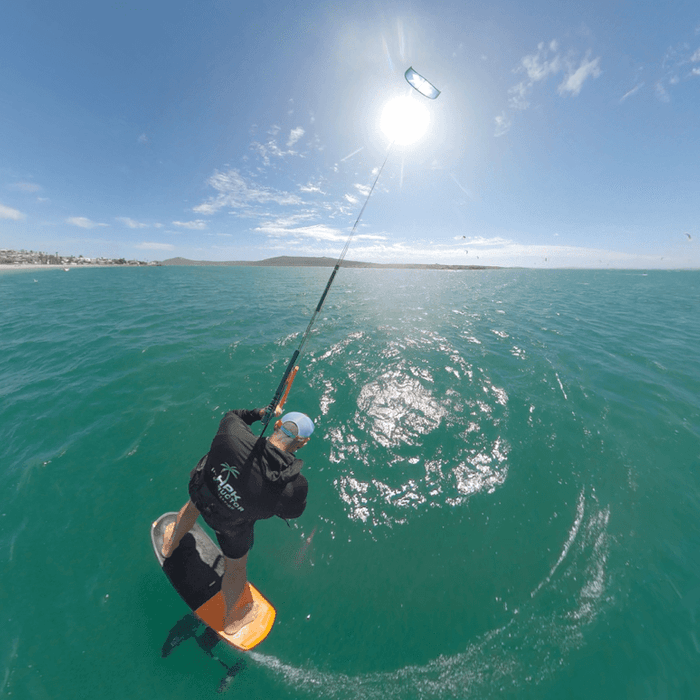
(404, 120)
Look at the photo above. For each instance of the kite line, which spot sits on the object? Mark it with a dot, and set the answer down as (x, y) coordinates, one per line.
(425, 88)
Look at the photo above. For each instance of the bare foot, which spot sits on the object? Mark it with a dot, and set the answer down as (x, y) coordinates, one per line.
(167, 550)
(241, 617)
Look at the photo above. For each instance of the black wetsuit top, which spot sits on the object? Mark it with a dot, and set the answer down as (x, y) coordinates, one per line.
(252, 478)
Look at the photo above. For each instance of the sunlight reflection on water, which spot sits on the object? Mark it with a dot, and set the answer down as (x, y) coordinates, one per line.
(433, 416)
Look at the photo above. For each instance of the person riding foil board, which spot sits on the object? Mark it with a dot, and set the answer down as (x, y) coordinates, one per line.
(244, 478)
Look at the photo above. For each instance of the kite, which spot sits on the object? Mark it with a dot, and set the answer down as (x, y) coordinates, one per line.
(417, 81)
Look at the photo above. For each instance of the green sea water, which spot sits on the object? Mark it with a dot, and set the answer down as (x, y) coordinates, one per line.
(504, 493)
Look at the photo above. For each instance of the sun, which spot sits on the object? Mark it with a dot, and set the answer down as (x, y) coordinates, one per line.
(404, 120)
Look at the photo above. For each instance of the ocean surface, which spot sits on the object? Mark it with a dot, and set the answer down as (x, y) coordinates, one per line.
(504, 482)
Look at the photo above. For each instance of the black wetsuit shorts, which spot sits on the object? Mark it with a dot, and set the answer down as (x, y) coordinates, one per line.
(235, 536)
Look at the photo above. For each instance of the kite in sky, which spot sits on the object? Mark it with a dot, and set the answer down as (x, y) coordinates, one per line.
(418, 82)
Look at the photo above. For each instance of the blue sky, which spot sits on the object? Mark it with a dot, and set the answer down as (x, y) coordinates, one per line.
(566, 135)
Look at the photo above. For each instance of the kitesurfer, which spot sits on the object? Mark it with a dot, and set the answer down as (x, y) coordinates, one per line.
(244, 478)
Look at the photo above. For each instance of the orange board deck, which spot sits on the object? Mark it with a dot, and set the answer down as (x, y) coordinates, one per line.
(252, 633)
(195, 570)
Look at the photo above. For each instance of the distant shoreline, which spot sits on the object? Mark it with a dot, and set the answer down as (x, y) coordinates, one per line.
(289, 261)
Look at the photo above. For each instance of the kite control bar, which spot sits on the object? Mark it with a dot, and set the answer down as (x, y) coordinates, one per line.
(282, 392)
(290, 380)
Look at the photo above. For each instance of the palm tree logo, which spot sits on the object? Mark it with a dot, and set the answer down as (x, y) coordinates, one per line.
(230, 471)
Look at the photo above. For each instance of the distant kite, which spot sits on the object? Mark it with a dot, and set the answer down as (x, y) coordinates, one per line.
(690, 238)
(418, 82)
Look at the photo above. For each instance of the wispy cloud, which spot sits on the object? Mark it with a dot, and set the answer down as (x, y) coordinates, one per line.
(577, 75)
(466, 191)
(280, 216)
(147, 245)
(350, 155)
(631, 92)
(10, 213)
(661, 92)
(270, 149)
(503, 123)
(83, 222)
(238, 192)
(548, 60)
(311, 187)
(679, 64)
(197, 225)
(311, 235)
(131, 223)
(29, 187)
(500, 251)
(316, 232)
(481, 241)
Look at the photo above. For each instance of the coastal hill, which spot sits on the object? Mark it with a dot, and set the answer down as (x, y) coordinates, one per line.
(289, 261)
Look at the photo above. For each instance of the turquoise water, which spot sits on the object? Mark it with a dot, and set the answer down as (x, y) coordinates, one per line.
(504, 481)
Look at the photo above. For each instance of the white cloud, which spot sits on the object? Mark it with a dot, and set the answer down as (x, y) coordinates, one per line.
(577, 76)
(131, 223)
(10, 213)
(197, 225)
(294, 136)
(83, 222)
(143, 138)
(351, 199)
(695, 57)
(146, 245)
(364, 190)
